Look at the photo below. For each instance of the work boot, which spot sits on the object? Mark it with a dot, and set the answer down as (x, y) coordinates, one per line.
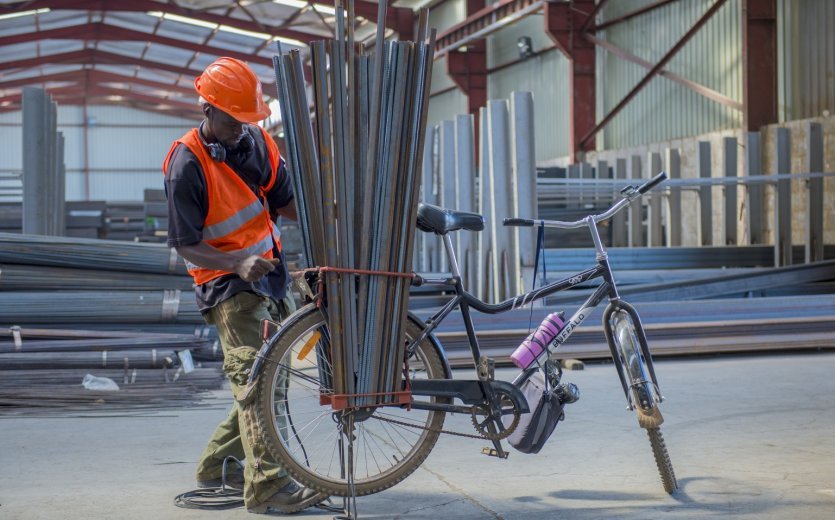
(291, 498)
(234, 479)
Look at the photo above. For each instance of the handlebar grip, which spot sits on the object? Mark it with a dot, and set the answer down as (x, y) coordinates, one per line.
(518, 222)
(655, 181)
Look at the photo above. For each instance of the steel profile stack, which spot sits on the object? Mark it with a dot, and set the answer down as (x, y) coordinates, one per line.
(357, 175)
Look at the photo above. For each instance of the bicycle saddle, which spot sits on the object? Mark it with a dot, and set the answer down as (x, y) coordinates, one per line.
(441, 221)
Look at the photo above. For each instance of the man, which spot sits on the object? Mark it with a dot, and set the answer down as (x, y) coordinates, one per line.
(226, 184)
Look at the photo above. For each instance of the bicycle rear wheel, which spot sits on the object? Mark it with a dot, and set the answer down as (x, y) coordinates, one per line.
(643, 394)
(304, 436)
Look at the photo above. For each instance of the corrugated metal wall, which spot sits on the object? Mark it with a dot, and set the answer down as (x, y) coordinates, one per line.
(663, 109)
(806, 46)
(126, 149)
(546, 76)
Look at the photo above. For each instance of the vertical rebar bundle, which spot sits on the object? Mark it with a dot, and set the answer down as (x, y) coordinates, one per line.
(357, 174)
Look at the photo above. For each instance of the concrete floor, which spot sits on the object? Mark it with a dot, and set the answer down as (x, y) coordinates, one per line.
(750, 437)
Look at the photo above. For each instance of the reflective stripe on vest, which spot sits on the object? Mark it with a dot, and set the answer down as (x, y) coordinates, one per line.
(221, 229)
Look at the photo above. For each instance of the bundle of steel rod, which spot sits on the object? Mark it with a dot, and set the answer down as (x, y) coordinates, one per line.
(205, 378)
(66, 398)
(98, 307)
(357, 174)
(18, 277)
(108, 255)
(147, 358)
(76, 345)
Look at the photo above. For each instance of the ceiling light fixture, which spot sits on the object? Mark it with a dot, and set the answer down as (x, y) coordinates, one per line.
(298, 4)
(224, 28)
(23, 13)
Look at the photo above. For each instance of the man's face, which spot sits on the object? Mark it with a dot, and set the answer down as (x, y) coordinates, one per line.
(226, 129)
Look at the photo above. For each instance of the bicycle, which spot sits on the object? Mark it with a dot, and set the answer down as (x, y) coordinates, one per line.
(387, 443)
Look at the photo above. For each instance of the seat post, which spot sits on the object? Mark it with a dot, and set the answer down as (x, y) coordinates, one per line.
(450, 253)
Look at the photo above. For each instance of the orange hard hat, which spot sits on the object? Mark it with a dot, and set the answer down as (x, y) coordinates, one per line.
(231, 86)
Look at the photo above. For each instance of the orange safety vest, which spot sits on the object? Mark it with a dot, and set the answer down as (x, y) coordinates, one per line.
(237, 221)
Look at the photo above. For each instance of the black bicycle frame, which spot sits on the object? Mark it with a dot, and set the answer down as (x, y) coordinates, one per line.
(466, 301)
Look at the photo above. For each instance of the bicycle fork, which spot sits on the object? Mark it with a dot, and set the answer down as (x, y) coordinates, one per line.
(619, 354)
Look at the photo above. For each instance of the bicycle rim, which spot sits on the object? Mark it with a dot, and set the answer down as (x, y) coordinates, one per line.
(305, 436)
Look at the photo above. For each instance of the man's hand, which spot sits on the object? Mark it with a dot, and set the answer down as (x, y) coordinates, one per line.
(255, 267)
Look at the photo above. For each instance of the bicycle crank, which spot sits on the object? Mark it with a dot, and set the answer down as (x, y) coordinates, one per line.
(493, 426)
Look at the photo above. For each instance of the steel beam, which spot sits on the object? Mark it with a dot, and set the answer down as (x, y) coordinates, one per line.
(783, 201)
(814, 193)
(681, 80)
(652, 72)
(563, 21)
(674, 199)
(636, 210)
(619, 232)
(632, 14)
(705, 195)
(729, 158)
(103, 31)
(484, 21)
(756, 204)
(655, 234)
(144, 6)
(759, 63)
(468, 70)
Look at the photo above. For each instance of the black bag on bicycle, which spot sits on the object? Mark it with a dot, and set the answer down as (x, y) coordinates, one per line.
(546, 411)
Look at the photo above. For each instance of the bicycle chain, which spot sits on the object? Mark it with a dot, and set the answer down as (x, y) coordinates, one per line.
(500, 436)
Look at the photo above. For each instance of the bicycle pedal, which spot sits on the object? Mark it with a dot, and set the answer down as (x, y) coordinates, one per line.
(493, 452)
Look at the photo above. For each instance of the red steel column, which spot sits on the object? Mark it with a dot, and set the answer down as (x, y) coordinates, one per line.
(563, 23)
(469, 69)
(759, 63)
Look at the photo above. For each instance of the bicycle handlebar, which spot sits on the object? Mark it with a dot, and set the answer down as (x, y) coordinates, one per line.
(630, 193)
(522, 222)
(655, 181)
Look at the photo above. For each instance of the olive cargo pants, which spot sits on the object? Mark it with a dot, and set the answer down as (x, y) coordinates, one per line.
(238, 322)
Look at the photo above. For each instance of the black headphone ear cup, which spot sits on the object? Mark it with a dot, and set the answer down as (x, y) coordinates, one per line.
(247, 143)
(217, 152)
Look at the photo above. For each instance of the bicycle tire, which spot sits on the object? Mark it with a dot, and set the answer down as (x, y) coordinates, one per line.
(662, 460)
(327, 479)
(647, 410)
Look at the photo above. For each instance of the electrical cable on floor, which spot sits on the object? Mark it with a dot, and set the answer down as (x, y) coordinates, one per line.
(225, 496)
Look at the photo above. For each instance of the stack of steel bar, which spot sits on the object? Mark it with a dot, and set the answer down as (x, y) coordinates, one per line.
(58, 398)
(45, 368)
(89, 253)
(673, 328)
(168, 306)
(357, 178)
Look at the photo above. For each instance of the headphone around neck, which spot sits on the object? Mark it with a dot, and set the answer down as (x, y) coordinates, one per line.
(216, 150)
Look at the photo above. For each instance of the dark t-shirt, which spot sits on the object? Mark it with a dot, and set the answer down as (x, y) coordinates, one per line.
(188, 205)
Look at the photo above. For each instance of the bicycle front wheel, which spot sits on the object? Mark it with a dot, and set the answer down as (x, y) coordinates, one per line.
(389, 443)
(643, 395)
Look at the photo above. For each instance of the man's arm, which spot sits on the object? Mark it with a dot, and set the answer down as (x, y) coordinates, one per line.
(249, 268)
(288, 211)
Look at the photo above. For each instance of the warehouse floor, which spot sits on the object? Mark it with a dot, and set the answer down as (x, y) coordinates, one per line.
(750, 437)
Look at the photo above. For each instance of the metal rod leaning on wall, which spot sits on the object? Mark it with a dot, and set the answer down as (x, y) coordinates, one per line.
(814, 194)
(654, 218)
(705, 194)
(783, 202)
(674, 199)
(729, 161)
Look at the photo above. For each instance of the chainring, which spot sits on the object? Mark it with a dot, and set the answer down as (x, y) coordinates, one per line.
(481, 418)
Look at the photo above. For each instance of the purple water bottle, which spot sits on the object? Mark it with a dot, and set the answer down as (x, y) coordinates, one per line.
(530, 349)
